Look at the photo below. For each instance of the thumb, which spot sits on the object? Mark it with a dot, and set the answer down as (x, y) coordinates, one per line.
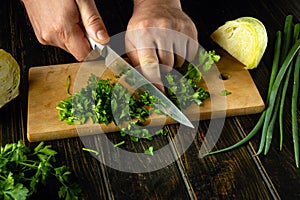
(92, 21)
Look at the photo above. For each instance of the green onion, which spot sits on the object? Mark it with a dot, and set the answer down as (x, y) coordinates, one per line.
(272, 79)
(287, 31)
(269, 127)
(286, 45)
(295, 96)
(244, 140)
(275, 88)
(275, 62)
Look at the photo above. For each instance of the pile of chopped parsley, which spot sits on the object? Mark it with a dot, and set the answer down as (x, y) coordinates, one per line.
(107, 101)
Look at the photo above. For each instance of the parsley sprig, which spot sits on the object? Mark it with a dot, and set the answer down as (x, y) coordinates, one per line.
(22, 171)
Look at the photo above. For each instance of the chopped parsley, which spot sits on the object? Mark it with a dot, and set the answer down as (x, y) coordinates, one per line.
(104, 101)
(225, 92)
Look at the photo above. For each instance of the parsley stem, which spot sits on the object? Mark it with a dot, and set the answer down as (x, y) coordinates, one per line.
(119, 144)
(68, 85)
(91, 150)
(2, 177)
(28, 165)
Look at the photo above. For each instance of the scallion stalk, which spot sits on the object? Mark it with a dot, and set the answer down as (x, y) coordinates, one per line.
(295, 96)
(275, 88)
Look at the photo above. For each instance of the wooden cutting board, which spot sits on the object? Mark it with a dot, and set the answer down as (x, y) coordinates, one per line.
(47, 86)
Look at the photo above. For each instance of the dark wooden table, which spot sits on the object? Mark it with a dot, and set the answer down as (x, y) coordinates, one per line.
(232, 175)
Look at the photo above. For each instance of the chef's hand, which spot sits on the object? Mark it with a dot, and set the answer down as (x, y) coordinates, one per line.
(147, 47)
(61, 23)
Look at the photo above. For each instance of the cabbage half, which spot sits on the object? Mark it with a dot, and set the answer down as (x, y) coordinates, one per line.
(9, 78)
(244, 38)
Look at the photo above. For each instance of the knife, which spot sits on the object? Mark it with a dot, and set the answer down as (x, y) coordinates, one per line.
(119, 66)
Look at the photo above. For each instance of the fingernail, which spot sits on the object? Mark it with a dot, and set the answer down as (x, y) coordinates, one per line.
(102, 36)
(160, 87)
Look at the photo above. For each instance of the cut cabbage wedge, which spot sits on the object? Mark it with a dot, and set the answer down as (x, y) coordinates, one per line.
(245, 38)
(9, 78)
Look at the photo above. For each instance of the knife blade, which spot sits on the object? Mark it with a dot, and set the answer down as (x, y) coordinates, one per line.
(119, 66)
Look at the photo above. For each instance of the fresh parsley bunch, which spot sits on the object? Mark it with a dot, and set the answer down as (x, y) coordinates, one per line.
(22, 171)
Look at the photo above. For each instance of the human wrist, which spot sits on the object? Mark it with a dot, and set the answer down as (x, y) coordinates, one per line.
(169, 3)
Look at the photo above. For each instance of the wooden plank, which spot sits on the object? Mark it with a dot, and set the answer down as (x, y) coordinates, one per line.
(157, 184)
(220, 176)
(47, 86)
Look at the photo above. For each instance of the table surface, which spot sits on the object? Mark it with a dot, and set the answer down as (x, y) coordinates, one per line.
(232, 175)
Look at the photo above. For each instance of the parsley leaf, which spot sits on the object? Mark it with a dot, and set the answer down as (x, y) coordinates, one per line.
(149, 151)
(225, 92)
(10, 190)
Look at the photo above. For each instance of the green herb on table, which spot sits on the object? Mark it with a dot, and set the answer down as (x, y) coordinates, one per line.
(91, 150)
(23, 170)
(149, 151)
(161, 132)
(119, 144)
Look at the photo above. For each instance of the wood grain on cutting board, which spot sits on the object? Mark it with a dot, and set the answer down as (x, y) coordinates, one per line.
(47, 86)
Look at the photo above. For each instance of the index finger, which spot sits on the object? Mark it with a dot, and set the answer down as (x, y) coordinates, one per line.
(149, 66)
